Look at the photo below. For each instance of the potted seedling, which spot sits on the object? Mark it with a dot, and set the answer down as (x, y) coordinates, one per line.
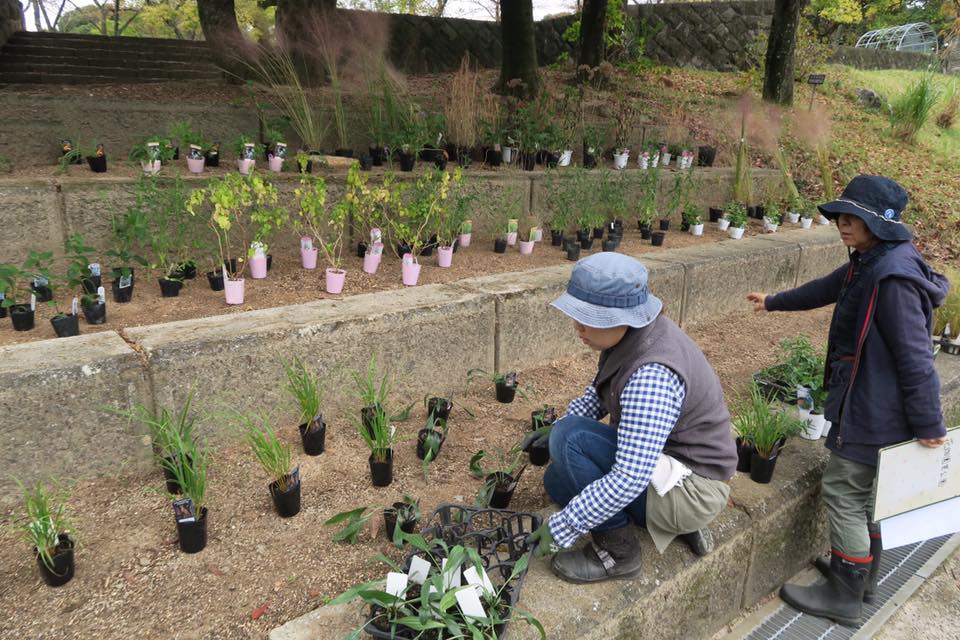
(768, 431)
(450, 220)
(19, 297)
(47, 529)
(429, 441)
(83, 277)
(505, 383)
(191, 142)
(325, 226)
(417, 218)
(189, 466)
(806, 217)
(406, 514)
(694, 218)
(772, 218)
(594, 140)
(537, 446)
(500, 480)
(378, 435)
(527, 235)
(625, 115)
(305, 387)
(129, 233)
(97, 159)
(274, 456)
(241, 210)
(151, 153)
(736, 216)
(246, 151)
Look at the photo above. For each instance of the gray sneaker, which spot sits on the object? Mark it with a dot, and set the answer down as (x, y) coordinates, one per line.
(700, 541)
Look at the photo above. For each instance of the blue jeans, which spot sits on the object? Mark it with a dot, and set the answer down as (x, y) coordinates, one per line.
(582, 451)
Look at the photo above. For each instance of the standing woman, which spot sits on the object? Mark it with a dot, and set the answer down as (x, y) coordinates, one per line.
(881, 385)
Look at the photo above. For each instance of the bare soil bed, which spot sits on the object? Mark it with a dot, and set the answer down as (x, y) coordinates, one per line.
(289, 283)
(258, 570)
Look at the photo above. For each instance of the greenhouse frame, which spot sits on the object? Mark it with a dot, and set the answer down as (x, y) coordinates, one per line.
(917, 37)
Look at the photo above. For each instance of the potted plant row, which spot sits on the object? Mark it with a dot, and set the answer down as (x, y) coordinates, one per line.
(761, 433)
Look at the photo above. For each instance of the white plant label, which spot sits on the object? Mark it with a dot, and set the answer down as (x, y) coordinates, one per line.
(280, 150)
(451, 579)
(470, 603)
(249, 151)
(376, 249)
(94, 268)
(376, 235)
(125, 282)
(102, 294)
(408, 258)
(259, 251)
(153, 151)
(479, 579)
(306, 243)
(419, 570)
(75, 306)
(33, 302)
(396, 584)
(196, 153)
(40, 281)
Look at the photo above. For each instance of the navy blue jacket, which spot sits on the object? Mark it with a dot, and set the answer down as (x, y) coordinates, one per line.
(889, 392)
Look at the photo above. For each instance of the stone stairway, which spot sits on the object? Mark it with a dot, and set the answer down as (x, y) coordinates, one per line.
(66, 58)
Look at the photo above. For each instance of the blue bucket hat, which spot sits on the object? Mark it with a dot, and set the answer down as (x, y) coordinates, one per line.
(876, 200)
(609, 290)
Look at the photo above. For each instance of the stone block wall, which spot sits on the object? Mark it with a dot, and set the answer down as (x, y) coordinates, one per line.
(703, 35)
(11, 19)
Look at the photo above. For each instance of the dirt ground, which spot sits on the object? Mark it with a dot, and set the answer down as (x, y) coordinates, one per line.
(289, 283)
(132, 581)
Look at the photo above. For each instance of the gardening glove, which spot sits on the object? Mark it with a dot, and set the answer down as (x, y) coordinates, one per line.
(544, 541)
(539, 437)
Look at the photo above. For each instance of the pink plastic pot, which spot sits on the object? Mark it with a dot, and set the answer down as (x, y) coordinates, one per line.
(465, 239)
(150, 168)
(308, 257)
(335, 280)
(245, 167)
(526, 248)
(195, 166)
(512, 238)
(276, 164)
(233, 290)
(370, 262)
(444, 256)
(258, 268)
(411, 273)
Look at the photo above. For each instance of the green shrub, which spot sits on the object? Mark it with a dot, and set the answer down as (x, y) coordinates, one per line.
(911, 110)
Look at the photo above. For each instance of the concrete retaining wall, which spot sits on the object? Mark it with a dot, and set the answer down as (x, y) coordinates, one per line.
(883, 59)
(40, 214)
(427, 336)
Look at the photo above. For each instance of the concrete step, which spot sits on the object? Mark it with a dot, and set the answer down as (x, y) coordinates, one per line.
(118, 68)
(72, 39)
(85, 54)
(53, 77)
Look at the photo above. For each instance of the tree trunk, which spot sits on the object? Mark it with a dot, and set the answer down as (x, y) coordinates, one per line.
(218, 19)
(778, 76)
(593, 29)
(519, 48)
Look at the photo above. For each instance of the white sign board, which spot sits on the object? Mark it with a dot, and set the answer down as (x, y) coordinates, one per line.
(911, 476)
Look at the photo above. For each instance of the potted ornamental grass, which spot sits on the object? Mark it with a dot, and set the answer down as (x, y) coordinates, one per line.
(189, 466)
(307, 391)
(325, 226)
(274, 456)
(499, 480)
(735, 215)
(19, 289)
(241, 211)
(47, 529)
(762, 431)
(378, 435)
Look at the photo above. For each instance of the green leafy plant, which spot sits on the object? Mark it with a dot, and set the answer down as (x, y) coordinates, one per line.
(46, 519)
(129, 236)
(436, 433)
(736, 213)
(454, 215)
(325, 224)
(419, 211)
(239, 144)
(355, 519)
(168, 229)
(564, 195)
(16, 282)
(611, 194)
(649, 184)
(184, 135)
(79, 257)
(693, 215)
(766, 429)
(152, 148)
(272, 454)
(595, 138)
(911, 110)
(773, 213)
(503, 475)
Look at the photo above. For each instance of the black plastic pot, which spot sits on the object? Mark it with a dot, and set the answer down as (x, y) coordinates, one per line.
(428, 248)
(361, 249)
(314, 439)
(95, 313)
(269, 261)
(706, 155)
(684, 226)
(528, 161)
(569, 242)
(343, 153)
(22, 317)
(63, 566)
(98, 164)
(377, 154)
(761, 211)
(664, 224)
(403, 249)
(90, 284)
(500, 245)
(422, 440)
(366, 162)
(121, 295)
(503, 490)
(589, 160)
(761, 469)
(382, 472)
(390, 521)
(656, 238)
(494, 158)
(170, 288)
(44, 293)
(440, 162)
(215, 278)
(193, 535)
(407, 161)
(552, 160)
(66, 325)
(609, 245)
(287, 503)
(752, 212)
(211, 159)
(715, 214)
(598, 233)
(186, 271)
(538, 419)
(306, 169)
(539, 454)
(3, 311)
(573, 253)
(745, 451)
(586, 244)
(505, 393)
(556, 237)
(439, 408)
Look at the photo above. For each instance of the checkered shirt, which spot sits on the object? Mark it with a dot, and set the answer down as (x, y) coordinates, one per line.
(650, 407)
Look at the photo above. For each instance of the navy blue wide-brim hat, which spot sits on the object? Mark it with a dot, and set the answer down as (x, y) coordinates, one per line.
(876, 200)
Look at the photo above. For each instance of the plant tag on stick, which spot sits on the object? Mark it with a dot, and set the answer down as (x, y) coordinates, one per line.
(513, 225)
(101, 295)
(124, 282)
(470, 603)
(479, 579)
(376, 235)
(280, 150)
(419, 570)
(510, 379)
(153, 151)
(249, 151)
(306, 243)
(94, 268)
(75, 306)
(293, 478)
(396, 584)
(376, 249)
(40, 281)
(33, 302)
(183, 510)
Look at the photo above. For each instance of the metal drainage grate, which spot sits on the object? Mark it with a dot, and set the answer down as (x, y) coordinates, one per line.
(896, 567)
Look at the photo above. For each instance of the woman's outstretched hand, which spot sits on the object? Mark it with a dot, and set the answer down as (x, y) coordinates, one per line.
(757, 299)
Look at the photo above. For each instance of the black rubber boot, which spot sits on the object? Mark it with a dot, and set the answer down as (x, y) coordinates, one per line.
(876, 549)
(840, 599)
(700, 541)
(612, 554)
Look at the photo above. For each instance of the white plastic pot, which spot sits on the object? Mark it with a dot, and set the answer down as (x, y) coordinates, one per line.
(150, 168)
(806, 223)
(696, 229)
(822, 220)
(723, 224)
(620, 160)
(565, 158)
(794, 218)
(736, 232)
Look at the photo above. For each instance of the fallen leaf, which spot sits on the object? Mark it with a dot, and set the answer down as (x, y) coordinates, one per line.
(259, 611)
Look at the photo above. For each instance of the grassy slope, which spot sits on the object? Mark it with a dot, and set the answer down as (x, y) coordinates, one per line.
(860, 141)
